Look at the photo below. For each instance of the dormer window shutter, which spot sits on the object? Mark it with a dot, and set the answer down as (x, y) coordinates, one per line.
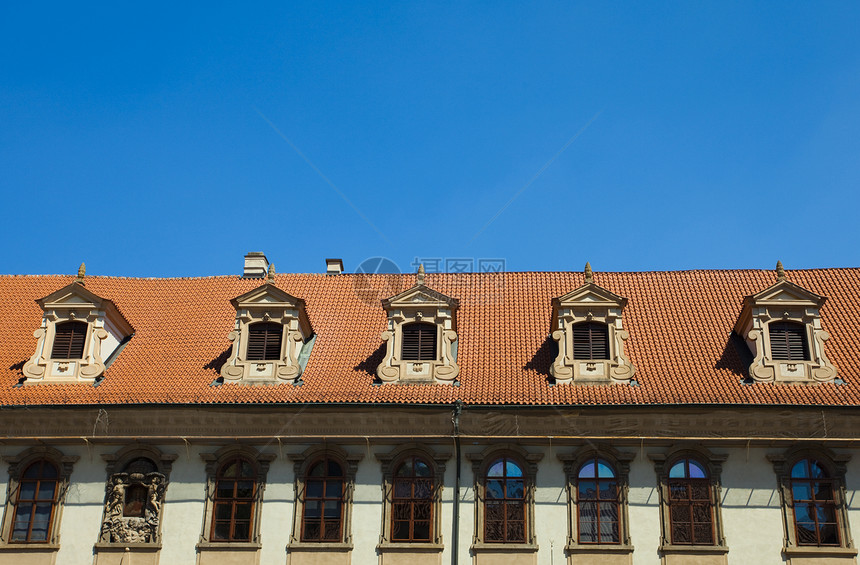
(69, 340)
(590, 341)
(264, 341)
(788, 342)
(419, 342)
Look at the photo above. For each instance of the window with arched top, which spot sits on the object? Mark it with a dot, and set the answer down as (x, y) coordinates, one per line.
(36, 502)
(788, 341)
(590, 341)
(322, 504)
(412, 501)
(691, 512)
(598, 503)
(418, 342)
(69, 340)
(233, 501)
(264, 341)
(813, 497)
(504, 502)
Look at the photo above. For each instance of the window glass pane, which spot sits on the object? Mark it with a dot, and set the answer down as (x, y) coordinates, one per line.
(801, 491)
(799, 470)
(608, 490)
(242, 531)
(224, 489)
(27, 490)
(806, 533)
(243, 511)
(587, 470)
(829, 535)
(587, 532)
(423, 489)
(223, 511)
(697, 470)
(678, 471)
(513, 470)
(334, 469)
(497, 469)
(400, 530)
(703, 534)
(604, 469)
(515, 489)
(421, 530)
(404, 469)
(609, 532)
(332, 531)
(333, 488)
(495, 488)
(247, 470)
(422, 469)
(402, 489)
(221, 531)
(313, 509)
(312, 529)
(332, 509)
(823, 490)
(816, 470)
(317, 469)
(244, 489)
(587, 490)
(314, 488)
(229, 470)
(49, 471)
(39, 532)
(516, 532)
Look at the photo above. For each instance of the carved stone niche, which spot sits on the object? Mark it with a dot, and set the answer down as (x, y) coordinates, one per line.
(88, 317)
(134, 499)
(780, 303)
(590, 303)
(268, 304)
(420, 305)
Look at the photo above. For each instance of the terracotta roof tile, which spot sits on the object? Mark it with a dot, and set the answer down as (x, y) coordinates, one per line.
(680, 327)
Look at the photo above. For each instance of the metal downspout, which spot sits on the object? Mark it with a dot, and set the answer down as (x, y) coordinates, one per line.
(455, 535)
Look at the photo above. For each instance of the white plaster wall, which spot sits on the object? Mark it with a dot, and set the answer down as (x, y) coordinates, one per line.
(82, 512)
(550, 507)
(183, 505)
(643, 510)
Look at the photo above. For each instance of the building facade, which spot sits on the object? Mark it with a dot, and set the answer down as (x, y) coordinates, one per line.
(538, 418)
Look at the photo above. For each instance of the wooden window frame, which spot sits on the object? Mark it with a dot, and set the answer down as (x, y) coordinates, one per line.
(326, 478)
(712, 463)
(232, 501)
(18, 464)
(214, 462)
(480, 465)
(34, 502)
(835, 464)
(302, 463)
(688, 503)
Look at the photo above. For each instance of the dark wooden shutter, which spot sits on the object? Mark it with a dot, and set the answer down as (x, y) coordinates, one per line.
(264, 341)
(69, 339)
(419, 342)
(788, 342)
(590, 341)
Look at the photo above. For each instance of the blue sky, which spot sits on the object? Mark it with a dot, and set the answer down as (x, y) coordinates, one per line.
(167, 139)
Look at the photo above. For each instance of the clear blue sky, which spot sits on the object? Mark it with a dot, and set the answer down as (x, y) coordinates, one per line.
(145, 140)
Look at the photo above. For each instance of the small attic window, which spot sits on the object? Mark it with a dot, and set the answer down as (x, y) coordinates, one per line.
(590, 341)
(264, 341)
(788, 341)
(69, 340)
(419, 342)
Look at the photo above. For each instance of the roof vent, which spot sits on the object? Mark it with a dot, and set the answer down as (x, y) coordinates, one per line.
(333, 266)
(256, 265)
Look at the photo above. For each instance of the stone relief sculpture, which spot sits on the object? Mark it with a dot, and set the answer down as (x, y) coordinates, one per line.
(133, 508)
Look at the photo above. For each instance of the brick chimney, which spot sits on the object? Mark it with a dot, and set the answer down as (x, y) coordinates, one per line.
(256, 265)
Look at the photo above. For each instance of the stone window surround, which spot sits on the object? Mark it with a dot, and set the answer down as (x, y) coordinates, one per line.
(620, 462)
(799, 306)
(118, 461)
(713, 462)
(480, 464)
(213, 461)
(590, 303)
(267, 303)
(91, 309)
(420, 304)
(390, 461)
(835, 463)
(301, 464)
(17, 465)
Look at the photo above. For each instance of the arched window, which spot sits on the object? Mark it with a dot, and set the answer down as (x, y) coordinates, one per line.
(814, 502)
(419, 342)
(322, 518)
(233, 501)
(69, 339)
(504, 502)
(598, 508)
(264, 341)
(590, 341)
(36, 502)
(412, 504)
(691, 512)
(788, 341)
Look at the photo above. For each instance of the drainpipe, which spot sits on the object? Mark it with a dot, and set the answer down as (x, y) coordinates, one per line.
(455, 535)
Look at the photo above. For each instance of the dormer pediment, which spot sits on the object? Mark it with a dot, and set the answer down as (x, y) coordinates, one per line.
(786, 292)
(267, 295)
(420, 296)
(590, 294)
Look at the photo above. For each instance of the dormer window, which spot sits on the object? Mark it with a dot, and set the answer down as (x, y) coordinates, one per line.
(80, 335)
(419, 342)
(420, 336)
(782, 328)
(272, 336)
(587, 324)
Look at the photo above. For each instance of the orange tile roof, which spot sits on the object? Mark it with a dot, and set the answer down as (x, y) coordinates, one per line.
(680, 324)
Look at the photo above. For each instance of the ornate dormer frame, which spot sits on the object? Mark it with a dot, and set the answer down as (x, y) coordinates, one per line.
(420, 304)
(785, 302)
(107, 329)
(590, 303)
(268, 303)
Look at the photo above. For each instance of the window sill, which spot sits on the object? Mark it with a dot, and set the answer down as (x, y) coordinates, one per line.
(694, 549)
(229, 546)
(319, 546)
(120, 546)
(411, 547)
(34, 547)
(598, 548)
(505, 547)
(813, 551)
